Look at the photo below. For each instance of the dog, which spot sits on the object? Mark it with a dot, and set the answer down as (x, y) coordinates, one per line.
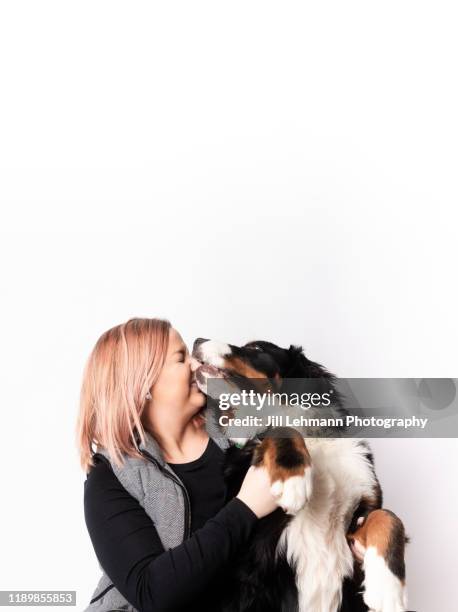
(329, 534)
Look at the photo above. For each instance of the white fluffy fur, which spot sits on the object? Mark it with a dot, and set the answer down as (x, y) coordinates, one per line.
(213, 352)
(314, 540)
(383, 591)
(294, 492)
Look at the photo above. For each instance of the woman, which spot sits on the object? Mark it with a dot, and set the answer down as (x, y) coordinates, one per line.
(154, 497)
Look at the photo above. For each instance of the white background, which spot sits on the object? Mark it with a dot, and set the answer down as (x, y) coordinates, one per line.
(248, 170)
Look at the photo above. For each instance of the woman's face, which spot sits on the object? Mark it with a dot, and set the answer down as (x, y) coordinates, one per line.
(175, 398)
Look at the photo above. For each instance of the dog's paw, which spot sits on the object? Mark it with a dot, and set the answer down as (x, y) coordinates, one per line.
(383, 591)
(293, 493)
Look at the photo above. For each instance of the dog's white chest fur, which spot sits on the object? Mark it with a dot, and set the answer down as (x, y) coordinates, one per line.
(314, 540)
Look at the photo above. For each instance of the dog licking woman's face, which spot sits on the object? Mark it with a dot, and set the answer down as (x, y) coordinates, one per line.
(175, 397)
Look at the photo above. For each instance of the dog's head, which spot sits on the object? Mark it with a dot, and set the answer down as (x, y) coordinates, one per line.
(261, 366)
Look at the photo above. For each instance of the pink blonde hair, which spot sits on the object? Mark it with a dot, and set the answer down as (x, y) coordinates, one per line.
(122, 368)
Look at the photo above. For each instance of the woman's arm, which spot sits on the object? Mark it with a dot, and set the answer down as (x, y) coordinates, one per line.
(128, 547)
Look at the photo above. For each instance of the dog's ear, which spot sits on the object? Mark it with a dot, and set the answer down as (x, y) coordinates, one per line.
(297, 366)
(301, 367)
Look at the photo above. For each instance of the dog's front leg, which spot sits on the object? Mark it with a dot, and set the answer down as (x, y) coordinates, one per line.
(284, 453)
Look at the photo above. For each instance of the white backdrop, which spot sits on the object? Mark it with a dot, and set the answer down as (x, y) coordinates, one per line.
(280, 171)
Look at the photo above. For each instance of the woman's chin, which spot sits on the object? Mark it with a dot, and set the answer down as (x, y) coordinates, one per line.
(199, 418)
(195, 389)
(196, 401)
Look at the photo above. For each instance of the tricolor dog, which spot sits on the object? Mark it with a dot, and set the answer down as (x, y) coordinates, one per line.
(330, 531)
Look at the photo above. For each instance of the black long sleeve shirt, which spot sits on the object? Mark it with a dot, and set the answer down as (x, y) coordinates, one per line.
(128, 547)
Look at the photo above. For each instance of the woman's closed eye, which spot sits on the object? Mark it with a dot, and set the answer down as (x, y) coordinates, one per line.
(181, 355)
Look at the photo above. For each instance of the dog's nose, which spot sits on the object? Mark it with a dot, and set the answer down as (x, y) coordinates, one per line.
(197, 343)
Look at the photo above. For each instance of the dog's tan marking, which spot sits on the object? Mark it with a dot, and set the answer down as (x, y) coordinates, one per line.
(375, 531)
(266, 454)
(242, 368)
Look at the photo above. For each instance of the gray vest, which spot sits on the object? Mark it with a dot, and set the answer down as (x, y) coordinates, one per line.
(163, 496)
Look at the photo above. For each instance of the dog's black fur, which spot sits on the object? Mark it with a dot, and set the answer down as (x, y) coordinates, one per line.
(260, 581)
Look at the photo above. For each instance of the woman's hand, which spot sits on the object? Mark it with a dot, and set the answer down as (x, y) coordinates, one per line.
(255, 492)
